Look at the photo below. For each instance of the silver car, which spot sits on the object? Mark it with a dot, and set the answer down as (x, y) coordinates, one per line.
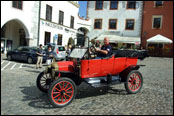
(59, 50)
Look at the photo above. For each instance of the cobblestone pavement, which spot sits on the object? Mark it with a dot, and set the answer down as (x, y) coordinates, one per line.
(20, 96)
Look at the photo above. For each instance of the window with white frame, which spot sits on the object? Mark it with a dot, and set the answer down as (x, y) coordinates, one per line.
(156, 22)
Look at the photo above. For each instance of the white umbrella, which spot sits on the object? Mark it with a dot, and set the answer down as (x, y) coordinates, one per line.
(159, 39)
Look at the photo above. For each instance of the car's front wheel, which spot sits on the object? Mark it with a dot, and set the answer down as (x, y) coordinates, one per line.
(43, 81)
(62, 92)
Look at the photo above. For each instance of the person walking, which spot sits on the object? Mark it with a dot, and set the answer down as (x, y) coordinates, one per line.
(39, 57)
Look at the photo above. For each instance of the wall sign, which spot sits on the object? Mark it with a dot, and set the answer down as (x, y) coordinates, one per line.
(52, 25)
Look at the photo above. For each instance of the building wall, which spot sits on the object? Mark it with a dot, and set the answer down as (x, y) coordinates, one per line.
(27, 18)
(167, 21)
(69, 10)
(121, 15)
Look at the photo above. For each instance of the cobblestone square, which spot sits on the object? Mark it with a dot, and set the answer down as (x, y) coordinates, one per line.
(20, 96)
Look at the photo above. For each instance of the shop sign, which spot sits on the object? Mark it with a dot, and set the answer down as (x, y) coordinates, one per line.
(56, 36)
(52, 25)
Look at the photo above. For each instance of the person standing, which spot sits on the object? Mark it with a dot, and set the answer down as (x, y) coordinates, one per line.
(39, 57)
(50, 55)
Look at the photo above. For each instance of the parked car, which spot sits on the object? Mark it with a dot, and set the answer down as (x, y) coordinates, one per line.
(58, 49)
(25, 53)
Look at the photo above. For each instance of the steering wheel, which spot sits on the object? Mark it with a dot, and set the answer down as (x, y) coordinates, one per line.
(93, 51)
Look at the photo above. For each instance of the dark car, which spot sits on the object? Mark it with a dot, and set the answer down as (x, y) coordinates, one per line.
(25, 53)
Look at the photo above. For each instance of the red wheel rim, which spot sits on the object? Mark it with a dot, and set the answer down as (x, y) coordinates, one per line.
(62, 92)
(134, 82)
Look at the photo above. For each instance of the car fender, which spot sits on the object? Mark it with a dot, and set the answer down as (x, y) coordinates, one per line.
(126, 71)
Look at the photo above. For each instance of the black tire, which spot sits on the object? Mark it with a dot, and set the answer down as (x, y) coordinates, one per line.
(9, 57)
(134, 82)
(44, 81)
(65, 90)
(29, 60)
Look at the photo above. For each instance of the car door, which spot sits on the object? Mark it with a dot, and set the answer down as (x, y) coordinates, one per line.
(107, 65)
(16, 53)
(24, 54)
(94, 68)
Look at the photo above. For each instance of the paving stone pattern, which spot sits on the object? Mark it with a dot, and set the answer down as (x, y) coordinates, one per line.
(20, 96)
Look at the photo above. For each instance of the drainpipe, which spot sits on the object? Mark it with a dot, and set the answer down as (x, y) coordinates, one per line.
(38, 36)
(142, 21)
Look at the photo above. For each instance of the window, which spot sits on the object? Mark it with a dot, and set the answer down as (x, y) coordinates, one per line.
(157, 22)
(98, 24)
(113, 5)
(48, 13)
(17, 4)
(98, 5)
(131, 5)
(129, 24)
(59, 40)
(158, 3)
(72, 22)
(61, 17)
(47, 37)
(112, 23)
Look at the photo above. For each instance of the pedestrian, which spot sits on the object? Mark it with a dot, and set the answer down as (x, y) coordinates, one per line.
(39, 57)
(50, 55)
(69, 50)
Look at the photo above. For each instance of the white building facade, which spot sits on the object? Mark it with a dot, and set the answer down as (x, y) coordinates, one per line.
(30, 23)
(59, 22)
(118, 20)
(19, 24)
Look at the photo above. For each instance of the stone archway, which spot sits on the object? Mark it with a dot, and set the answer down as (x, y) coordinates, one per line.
(14, 34)
(81, 36)
(71, 41)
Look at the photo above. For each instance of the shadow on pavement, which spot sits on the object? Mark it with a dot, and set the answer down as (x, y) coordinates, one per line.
(85, 90)
(35, 97)
(39, 99)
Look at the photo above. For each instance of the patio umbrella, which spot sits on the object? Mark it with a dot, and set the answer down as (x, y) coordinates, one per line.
(159, 39)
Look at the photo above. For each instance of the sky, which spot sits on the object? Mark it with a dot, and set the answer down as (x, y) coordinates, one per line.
(83, 7)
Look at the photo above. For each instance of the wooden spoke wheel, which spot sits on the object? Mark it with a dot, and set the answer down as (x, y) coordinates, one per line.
(44, 81)
(62, 92)
(134, 82)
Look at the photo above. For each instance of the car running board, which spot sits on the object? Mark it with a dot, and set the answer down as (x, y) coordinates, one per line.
(103, 81)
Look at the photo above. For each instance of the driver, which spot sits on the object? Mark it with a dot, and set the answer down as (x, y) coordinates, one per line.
(105, 50)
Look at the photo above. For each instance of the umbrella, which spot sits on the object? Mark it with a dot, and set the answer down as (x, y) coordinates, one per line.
(159, 39)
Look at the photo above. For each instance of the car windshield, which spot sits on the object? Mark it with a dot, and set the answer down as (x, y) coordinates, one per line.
(78, 53)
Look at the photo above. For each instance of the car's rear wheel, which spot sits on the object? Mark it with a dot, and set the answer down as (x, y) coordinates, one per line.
(29, 60)
(9, 57)
(134, 82)
(62, 92)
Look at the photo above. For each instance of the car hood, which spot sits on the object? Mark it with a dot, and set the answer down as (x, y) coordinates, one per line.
(66, 66)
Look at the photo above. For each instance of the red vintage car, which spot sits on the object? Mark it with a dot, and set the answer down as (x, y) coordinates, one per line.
(60, 79)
